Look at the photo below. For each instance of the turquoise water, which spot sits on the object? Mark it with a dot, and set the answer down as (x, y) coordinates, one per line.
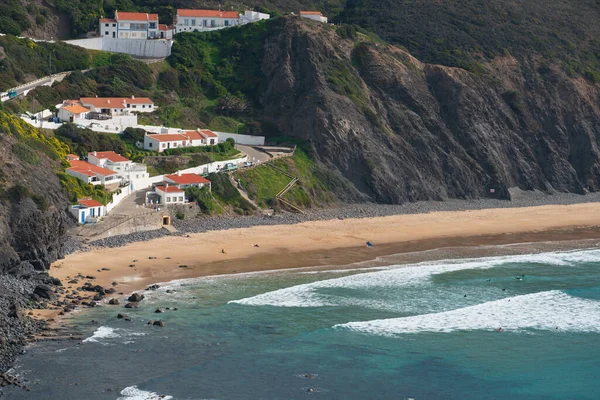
(422, 331)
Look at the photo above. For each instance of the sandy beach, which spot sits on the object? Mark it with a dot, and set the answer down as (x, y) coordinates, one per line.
(320, 243)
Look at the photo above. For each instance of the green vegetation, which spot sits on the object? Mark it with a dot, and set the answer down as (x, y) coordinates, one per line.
(25, 153)
(224, 191)
(180, 215)
(82, 141)
(77, 189)
(203, 199)
(465, 33)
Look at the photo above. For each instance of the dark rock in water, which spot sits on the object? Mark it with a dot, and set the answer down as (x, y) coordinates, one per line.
(44, 292)
(158, 323)
(132, 305)
(92, 304)
(136, 297)
(109, 291)
(150, 322)
(158, 310)
(175, 309)
(114, 302)
(152, 287)
(122, 316)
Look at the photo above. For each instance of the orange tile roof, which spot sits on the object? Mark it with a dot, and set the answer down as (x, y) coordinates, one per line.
(186, 179)
(310, 12)
(90, 203)
(76, 109)
(114, 102)
(72, 157)
(168, 137)
(208, 13)
(109, 155)
(169, 189)
(88, 169)
(208, 133)
(135, 16)
(107, 20)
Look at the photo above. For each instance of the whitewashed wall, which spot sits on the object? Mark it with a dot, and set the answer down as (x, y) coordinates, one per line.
(242, 139)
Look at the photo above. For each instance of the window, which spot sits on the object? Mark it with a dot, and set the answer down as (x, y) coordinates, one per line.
(122, 24)
(137, 176)
(114, 25)
(163, 145)
(150, 144)
(134, 106)
(143, 106)
(152, 25)
(186, 22)
(204, 23)
(226, 22)
(168, 199)
(106, 33)
(194, 22)
(213, 22)
(106, 25)
(180, 198)
(128, 105)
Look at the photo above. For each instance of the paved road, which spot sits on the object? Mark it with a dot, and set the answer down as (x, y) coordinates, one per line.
(47, 80)
(253, 155)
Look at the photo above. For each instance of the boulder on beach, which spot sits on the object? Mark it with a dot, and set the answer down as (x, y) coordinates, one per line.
(109, 290)
(132, 305)
(113, 302)
(152, 287)
(44, 292)
(136, 297)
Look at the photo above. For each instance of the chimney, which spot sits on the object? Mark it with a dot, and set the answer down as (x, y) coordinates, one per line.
(108, 101)
(94, 154)
(179, 173)
(132, 96)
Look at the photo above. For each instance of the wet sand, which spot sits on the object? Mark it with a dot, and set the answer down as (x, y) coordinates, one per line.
(320, 243)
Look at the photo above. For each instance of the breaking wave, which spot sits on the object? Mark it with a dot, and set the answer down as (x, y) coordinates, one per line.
(134, 393)
(551, 310)
(106, 332)
(308, 295)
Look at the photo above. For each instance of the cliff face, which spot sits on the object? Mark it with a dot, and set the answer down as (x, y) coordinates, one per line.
(401, 130)
(33, 223)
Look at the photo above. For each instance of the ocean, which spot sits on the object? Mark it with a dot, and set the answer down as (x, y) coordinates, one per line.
(521, 326)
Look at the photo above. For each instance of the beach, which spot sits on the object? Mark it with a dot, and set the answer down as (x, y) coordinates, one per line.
(320, 243)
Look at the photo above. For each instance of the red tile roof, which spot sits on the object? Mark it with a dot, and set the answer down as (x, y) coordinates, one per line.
(72, 157)
(109, 155)
(135, 16)
(90, 203)
(207, 133)
(107, 20)
(311, 13)
(88, 169)
(114, 102)
(208, 13)
(169, 189)
(162, 27)
(186, 179)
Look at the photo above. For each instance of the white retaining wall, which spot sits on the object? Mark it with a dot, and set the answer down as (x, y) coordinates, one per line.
(117, 198)
(157, 48)
(242, 139)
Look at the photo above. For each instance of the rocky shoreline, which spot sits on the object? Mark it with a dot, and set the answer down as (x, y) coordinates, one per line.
(198, 225)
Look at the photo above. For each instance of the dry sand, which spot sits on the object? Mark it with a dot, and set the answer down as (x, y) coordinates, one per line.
(334, 242)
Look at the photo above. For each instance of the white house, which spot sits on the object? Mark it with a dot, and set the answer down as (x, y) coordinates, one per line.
(252, 16)
(168, 194)
(130, 173)
(205, 20)
(117, 105)
(131, 25)
(163, 141)
(314, 15)
(87, 210)
(69, 113)
(92, 174)
(183, 181)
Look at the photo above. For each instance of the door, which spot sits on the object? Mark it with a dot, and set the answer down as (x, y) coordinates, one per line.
(113, 35)
(82, 218)
(92, 212)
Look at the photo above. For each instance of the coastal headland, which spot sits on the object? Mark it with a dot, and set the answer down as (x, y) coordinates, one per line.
(316, 244)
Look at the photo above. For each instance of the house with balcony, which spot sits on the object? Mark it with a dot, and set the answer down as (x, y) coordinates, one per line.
(205, 20)
(132, 174)
(314, 15)
(94, 175)
(117, 105)
(181, 138)
(184, 181)
(131, 25)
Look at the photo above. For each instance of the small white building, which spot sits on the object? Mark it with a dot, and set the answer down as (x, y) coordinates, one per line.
(314, 15)
(183, 181)
(69, 113)
(87, 210)
(130, 173)
(205, 20)
(163, 141)
(131, 25)
(167, 195)
(252, 16)
(94, 175)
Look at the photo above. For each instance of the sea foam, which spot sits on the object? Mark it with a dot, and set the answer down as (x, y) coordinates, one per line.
(551, 310)
(134, 393)
(106, 332)
(307, 295)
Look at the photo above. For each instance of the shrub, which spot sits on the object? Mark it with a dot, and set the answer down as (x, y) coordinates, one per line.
(180, 215)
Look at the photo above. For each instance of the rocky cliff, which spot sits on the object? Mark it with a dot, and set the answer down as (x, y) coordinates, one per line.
(401, 130)
(33, 223)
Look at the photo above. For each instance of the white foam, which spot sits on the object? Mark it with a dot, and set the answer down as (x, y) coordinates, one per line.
(307, 295)
(106, 332)
(134, 393)
(551, 310)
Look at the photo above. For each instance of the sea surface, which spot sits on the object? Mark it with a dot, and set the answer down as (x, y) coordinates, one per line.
(523, 326)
